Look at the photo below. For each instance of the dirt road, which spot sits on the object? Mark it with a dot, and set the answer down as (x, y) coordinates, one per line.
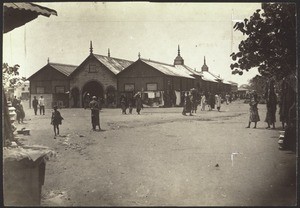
(164, 158)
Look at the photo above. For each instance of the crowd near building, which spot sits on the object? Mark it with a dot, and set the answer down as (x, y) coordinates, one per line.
(108, 78)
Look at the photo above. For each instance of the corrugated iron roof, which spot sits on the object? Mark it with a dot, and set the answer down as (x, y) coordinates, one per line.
(66, 69)
(168, 69)
(113, 64)
(31, 7)
(190, 70)
(207, 76)
(232, 83)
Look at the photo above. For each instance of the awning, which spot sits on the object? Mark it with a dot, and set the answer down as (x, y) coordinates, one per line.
(19, 13)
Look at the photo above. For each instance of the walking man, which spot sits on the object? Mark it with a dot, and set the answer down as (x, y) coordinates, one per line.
(42, 105)
(56, 119)
(35, 103)
(94, 106)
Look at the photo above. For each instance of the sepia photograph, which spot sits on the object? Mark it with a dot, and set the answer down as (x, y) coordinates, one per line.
(149, 104)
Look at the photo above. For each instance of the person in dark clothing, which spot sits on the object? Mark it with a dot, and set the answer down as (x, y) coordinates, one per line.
(14, 102)
(94, 106)
(187, 105)
(123, 102)
(254, 116)
(20, 112)
(56, 119)
(130, 104)
(211, 101)
(35, 104)
(138, 103)
(271, 99)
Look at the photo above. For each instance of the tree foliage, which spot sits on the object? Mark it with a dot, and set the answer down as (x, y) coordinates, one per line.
(258, 83)
(10, 75)
(271, 41)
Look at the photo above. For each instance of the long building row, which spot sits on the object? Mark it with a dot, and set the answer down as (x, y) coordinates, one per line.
(108, 78)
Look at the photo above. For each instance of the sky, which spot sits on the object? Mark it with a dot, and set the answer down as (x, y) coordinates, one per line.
(127, 28)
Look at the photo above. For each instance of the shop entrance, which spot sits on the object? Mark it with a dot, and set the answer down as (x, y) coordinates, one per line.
(90, 89)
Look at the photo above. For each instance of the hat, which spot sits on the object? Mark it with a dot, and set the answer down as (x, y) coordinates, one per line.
(55, 107)
(94, 97)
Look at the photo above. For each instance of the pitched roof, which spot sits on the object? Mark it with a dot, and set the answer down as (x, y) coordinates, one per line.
(207, 76)
(66, 69)
(168, 69)
(233, 83)
(113, 64)
(190, 70)
(31, 7)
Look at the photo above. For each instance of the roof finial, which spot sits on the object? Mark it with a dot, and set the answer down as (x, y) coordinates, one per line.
(204, 61)
(139, 55)
(91, 47)
(178, 50)
(108, 53)
(48, 60)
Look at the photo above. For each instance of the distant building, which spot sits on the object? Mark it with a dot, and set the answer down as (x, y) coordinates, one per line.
(21, 91)
(107, 78)
(242, 92)
(234, 86)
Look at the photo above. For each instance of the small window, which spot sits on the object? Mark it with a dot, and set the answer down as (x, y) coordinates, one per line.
(129, 87)
(40, 90)
(59, 89)
(151, 86)
(92, 68)
(23, 88)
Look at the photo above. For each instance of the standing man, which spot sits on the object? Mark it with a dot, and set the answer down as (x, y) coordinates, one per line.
(218, 101)
(123, 102)
(138, 103)
(35, 103)
(42, 105)
(94, 106)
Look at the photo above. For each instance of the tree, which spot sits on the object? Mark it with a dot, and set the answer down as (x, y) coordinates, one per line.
(271, 42)
(10, 75)
(258, 83)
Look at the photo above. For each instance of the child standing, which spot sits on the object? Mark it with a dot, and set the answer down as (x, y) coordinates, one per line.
(56, 119)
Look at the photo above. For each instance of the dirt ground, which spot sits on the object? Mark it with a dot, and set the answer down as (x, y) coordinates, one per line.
(164, 158)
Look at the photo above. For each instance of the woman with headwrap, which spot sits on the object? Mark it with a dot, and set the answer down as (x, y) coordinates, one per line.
(254, 117)
(271, 99)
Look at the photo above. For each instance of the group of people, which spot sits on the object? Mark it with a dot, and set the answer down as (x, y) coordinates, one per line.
(191, 102)
(130, 103)
(211, 101)
(17, 104)
(271, 103)
(40, 103)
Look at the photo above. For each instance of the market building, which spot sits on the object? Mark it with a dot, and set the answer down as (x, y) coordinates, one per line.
(108, 78)
(21, 90)
(96, 76)
(159, 83)
(52, 82)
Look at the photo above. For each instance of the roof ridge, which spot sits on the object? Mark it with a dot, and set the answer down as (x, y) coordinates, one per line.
(218, 77)
(112, 57)
(62, 64)
(157, 62)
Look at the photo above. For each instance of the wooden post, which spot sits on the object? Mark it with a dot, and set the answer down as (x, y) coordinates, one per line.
(8, 135)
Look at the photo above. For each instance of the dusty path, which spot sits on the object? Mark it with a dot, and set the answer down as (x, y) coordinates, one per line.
(164, 158)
